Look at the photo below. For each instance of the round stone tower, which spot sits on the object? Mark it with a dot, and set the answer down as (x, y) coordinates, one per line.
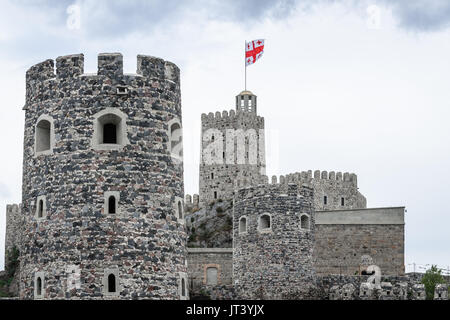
(273, 234)
(103, 181)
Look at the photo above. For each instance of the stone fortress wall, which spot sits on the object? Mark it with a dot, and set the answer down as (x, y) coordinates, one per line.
(217, 177)
(103, 181)
(13, 232)
(273, 241)
(344, 236)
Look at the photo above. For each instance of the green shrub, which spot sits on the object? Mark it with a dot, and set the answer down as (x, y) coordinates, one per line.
(431, 278)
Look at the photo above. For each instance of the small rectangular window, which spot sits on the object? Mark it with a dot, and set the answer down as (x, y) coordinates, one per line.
(215, 194)
(342, 201)
(325, 199)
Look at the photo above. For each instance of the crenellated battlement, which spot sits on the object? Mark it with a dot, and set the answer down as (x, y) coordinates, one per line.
(43, 78)
(191, 200)
(229, 116)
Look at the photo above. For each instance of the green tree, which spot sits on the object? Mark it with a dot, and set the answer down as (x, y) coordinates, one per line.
(430, 279)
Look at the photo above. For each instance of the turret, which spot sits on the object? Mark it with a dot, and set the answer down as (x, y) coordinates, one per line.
(246, 102)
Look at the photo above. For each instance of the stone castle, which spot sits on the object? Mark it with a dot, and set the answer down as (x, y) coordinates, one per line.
(104, 216)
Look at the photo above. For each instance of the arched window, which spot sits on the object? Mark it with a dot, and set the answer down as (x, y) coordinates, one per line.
(43, 135)
(180, 210)
(304, 222)
(183, 287)
(211, 276)
(242, 225)
(175, 139)
(264, 222)
(39, 286)
(41, 208)
(110, 130)
(111, 283)
(112, 204)
(109, 133)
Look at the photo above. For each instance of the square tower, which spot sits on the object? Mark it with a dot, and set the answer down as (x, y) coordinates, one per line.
(232, 147)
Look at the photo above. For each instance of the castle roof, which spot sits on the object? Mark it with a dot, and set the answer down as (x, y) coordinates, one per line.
(246, 92)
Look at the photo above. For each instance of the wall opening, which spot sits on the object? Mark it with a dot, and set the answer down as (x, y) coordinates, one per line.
(109, 133)
(211, 276)
(40, 208)
(112, 283)
(112, 205)
(183, 287)
(215, 194)
(304, 222)
(176, 138)
(43, 134)
(110, 130)
(342, 201)
(39, 286)
(180, 210)
(264, 222)
(212, 175)
(325, 199)
(243, 225)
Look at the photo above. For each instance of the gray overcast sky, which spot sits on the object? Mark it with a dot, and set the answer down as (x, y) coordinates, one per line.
(358, 86)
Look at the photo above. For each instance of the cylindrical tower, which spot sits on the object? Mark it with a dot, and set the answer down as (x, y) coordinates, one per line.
(103, 186)
(273, 234)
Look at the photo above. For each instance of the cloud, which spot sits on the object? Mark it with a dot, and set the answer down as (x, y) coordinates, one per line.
(421, 15)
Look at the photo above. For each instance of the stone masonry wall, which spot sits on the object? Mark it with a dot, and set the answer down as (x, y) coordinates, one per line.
(143, 243)
(339, 248)
(13, 229)
(340, 190)
(275, 262)
(200, 259)
(228, 170)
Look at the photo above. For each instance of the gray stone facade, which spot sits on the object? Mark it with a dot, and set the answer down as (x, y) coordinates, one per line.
(343, 237)
(203, 260)
(13, 229)
(217, 179)
(86, 135)
(273, 249)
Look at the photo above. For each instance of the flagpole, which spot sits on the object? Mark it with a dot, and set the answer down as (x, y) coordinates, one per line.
(245, 64)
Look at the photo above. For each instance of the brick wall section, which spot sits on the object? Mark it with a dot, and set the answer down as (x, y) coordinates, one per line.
(199, 259)
(341, 242)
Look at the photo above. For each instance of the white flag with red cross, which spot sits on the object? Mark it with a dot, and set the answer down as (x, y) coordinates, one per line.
(253, 51)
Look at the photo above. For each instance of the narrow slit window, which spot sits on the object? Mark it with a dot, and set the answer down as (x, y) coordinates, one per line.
(111, 283)
(183, 287)
(212, 175)
(215, 194)
(111, 205)
(41, 209)
(39, 286)
(325, 199)
(243, 225)
(342, 201)
(304, 222)
(110, 133)
(180, 210)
